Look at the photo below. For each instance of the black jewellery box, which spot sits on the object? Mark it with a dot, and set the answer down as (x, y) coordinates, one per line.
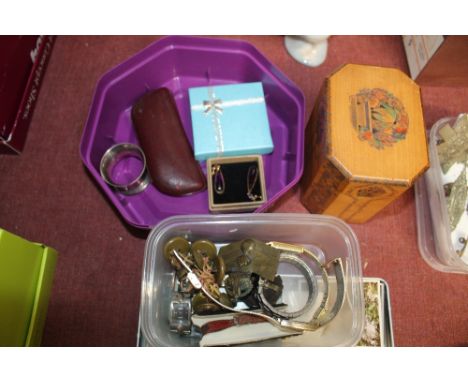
(236, 184)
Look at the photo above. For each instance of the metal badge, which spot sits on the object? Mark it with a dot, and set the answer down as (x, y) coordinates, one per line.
(251, 256)
(238, 284)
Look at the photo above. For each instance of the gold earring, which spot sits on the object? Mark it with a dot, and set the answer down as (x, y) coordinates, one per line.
(252, 179)
(218, 180)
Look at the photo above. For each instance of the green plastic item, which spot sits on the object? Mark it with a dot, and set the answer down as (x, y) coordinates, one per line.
(26, 274)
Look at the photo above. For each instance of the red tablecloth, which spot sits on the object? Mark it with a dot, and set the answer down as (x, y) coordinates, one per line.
(47, 196)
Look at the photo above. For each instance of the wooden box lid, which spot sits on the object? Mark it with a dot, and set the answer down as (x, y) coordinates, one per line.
(376, 129)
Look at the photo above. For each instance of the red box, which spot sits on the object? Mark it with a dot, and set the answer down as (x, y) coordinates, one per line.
(23, 60)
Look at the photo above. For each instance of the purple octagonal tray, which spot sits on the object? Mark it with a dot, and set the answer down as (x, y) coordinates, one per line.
(180, 63)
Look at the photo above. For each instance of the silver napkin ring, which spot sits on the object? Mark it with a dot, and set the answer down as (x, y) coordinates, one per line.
(113, 156)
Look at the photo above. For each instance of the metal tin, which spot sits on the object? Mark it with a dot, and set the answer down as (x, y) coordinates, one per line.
(179, 63)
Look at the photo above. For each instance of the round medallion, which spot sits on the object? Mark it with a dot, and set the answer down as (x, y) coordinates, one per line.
(378, 117)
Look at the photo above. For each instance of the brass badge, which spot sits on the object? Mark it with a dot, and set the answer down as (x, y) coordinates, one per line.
(378, 117)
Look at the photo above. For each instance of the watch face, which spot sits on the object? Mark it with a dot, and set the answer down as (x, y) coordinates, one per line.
(180, 311)
(179, 315)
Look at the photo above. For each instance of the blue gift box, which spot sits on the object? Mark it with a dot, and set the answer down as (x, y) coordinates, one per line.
(229, 120)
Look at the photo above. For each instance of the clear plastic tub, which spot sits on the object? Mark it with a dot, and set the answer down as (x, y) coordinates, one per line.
(434, 234)
(329, 237)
